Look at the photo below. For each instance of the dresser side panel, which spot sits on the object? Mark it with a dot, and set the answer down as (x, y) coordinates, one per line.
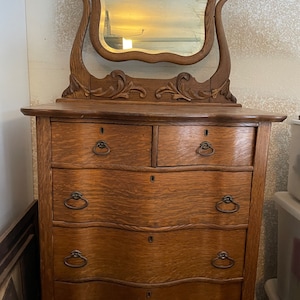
(45, 205)
(256, 206)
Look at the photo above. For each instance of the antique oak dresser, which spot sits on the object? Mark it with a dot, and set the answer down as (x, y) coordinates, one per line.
(150, 188)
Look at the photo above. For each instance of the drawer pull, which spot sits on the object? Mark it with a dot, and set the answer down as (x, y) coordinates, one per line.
(77, 256)
(222, 256)
(227, 200)
(205, 149)
(76, 196)
(98, 148)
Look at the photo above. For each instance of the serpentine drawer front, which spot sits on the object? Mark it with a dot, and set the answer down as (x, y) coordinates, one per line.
(147, 257)
(134, 207)
(150, 227)
(114, 291)
(211, 145)
(155, 199)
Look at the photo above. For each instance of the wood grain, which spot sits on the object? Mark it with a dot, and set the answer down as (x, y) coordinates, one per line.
(73, 143)
(150, 228)
(187, 291)
(255, 217)
(144, 257)
(154, 200)
(232, 146)
(45, 205)
(118, 111)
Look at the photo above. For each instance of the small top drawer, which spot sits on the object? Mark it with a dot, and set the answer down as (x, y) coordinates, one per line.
(93, 145)
(207, 145)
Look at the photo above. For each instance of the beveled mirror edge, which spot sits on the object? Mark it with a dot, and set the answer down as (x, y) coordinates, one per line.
(117, 85)
(158, 57)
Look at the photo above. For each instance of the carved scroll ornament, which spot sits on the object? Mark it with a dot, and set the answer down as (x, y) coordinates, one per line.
(182, 91)
(120, 87)
(117, 85)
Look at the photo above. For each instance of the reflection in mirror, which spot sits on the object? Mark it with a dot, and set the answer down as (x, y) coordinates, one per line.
(119, 85)
(153, 26)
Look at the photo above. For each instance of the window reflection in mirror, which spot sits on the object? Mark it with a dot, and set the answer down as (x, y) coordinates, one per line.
(154, 26)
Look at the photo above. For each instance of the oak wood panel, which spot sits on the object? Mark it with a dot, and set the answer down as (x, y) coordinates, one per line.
(43, 135)
(186, 291)
(154, 200)
(144, 257)
(232, 146)
(159, 249)
(118, 111)
(74, 142)
(257, 199)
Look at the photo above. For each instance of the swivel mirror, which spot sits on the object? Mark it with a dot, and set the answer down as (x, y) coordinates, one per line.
(180, 32)
(145, 29)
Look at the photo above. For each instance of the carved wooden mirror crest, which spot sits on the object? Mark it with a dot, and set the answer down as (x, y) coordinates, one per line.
(97, 15)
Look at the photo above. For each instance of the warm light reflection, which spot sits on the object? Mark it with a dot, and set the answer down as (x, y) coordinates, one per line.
(153, 26)
(127, 44)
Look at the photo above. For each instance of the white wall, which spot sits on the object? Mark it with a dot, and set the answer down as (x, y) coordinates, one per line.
(15, 137)
(264, 39)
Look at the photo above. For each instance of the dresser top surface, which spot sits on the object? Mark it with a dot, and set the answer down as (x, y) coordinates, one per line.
(149, 112)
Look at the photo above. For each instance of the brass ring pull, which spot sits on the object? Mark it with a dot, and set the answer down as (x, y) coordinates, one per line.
(227, 200)
(205, 149)
(101, 148)
(75, 256)
(77, 197)
(218, 262)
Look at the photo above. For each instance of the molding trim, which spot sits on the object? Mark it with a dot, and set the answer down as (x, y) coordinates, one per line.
(19, 246)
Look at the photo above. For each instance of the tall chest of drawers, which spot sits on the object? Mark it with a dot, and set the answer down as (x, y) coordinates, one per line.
(150, 201)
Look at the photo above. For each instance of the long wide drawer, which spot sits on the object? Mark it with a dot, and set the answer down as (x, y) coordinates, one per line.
(111, 291)
(89, 253)
(205, 145)
(151, 199)
(93, 144)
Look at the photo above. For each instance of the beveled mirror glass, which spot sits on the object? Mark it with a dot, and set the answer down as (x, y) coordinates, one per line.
(170, 26)
(153, 30)
(153, 26)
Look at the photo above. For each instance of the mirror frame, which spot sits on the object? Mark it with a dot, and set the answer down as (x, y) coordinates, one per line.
(117, 86)
(156, 57)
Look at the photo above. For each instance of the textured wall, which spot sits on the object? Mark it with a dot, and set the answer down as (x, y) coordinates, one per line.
(264, 40)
